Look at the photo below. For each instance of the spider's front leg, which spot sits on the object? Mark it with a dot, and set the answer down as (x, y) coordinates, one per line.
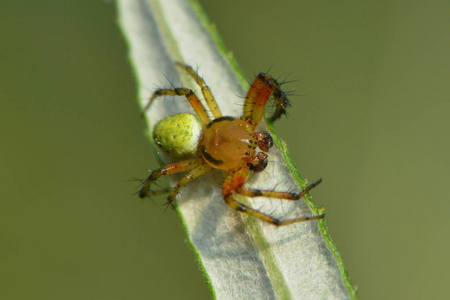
(259, 92)
(274, 194)
(234, 185)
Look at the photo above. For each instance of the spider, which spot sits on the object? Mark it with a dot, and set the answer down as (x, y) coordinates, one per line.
(226, 143)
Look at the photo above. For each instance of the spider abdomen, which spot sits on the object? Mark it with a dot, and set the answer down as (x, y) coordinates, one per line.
(226, 141)
(178, 135)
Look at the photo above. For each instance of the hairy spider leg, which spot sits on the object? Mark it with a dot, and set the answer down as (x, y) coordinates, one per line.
(233, 185)
(150, 193)
(257, 96)
(281, 101)
(191, 175)
(248, 192)
(209, 98)
(190, 96)
(169, 169)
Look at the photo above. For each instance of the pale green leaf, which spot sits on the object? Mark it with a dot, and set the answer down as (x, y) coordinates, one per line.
(241, 257)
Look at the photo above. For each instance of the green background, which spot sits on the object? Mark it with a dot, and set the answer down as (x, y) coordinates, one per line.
(370, 116)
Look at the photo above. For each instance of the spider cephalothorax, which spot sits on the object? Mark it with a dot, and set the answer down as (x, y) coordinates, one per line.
(226, 143)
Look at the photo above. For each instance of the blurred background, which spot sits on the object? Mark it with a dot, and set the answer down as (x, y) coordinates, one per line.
(372, 105)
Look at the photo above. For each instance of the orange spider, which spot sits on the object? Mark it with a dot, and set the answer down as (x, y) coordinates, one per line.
(225, 143)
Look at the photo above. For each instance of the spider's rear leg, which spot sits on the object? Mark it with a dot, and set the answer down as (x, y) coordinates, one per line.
(169, 169)
(209, 98)
(191, 175)
(151, 193)
(233, 184)
(257, 96)
(190, 96)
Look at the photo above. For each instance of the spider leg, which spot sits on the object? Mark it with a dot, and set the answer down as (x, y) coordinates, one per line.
(233, 185)
(257, 96)
(274, 194)
(191, 175)
(190, 96)
(281, 101)
(158, 192)
(209, 98)
(233, 203)
(169, 169)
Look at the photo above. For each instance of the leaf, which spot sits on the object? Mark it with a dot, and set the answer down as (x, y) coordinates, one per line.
(241, 257)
